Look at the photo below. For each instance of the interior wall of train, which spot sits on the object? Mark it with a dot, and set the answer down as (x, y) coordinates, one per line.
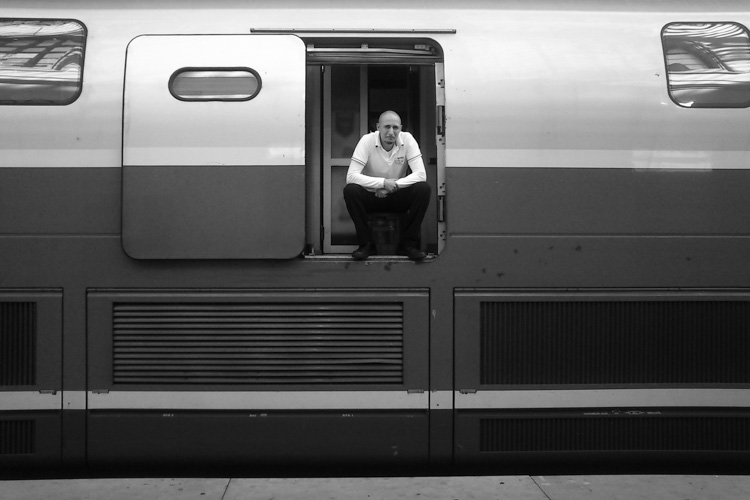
(176, 286)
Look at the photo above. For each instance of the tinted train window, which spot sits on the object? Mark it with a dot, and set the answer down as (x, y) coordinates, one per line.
(708, 64)
(41, 61)
(217, 84)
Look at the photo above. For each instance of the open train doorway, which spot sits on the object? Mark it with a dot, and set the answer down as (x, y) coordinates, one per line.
(350, 83)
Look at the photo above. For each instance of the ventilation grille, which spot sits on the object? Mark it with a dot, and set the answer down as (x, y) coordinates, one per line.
(17, 437)
(615, 342)
(615, 434)
(258, 343)
(17, 343)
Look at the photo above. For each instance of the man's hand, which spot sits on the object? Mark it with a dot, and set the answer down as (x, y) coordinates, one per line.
(390, 185)
(381, 193)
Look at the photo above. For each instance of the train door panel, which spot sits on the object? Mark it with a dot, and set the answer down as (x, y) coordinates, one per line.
(214, 147)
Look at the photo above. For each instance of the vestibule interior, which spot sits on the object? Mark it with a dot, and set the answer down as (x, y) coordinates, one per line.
(348, 86)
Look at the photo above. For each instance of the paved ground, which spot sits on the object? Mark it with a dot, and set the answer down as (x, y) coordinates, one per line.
(418, 488)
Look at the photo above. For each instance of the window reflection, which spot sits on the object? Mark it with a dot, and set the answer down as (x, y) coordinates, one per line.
(345, 105)
(708, 64)
(345, 134)
(41, 61)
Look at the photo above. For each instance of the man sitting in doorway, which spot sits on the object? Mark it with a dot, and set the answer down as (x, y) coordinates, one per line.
(377, 182)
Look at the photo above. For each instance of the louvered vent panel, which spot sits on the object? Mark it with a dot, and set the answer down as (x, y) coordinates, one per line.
(615, 342)
(615, 434)
(17, 437)
(251, 343)
(17, 343)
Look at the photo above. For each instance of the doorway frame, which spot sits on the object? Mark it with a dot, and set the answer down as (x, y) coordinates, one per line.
(328, 50)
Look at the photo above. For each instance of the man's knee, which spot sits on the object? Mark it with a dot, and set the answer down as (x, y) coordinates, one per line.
(421, 189)
(351, 190)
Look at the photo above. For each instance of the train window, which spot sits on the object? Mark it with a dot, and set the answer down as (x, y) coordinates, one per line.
(41, 61)
(215, 84)
(708, 64)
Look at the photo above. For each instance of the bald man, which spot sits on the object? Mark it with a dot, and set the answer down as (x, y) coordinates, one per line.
(377, 181)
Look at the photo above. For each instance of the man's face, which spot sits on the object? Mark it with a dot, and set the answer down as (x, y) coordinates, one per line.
(389, 127)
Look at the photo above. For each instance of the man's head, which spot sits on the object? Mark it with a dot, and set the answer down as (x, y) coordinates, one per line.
(389, 126)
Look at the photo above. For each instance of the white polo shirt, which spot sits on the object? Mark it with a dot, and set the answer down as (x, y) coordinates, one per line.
(371, 164)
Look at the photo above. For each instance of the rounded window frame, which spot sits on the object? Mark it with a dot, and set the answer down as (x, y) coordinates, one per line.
(81, 61)
(176, 74)
(668, 73)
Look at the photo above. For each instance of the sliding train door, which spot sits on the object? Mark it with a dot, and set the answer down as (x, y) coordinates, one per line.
(214, 147)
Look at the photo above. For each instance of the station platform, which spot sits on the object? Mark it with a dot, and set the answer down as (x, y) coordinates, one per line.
(661, 487)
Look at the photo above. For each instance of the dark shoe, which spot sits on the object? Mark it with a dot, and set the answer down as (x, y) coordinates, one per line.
(364, 251)
(415, 253)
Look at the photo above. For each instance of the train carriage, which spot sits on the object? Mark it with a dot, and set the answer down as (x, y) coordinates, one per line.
(177, 288)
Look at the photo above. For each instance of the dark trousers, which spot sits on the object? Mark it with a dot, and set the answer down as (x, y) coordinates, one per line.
(411, 201)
